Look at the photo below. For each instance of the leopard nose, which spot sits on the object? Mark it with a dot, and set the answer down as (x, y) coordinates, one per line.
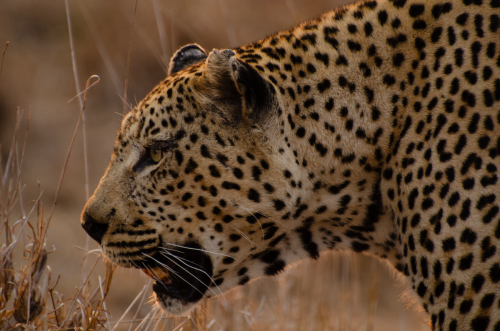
(94, 229)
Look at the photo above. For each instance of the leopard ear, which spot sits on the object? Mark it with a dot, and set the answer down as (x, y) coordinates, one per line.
(235, 83)
(185, 57)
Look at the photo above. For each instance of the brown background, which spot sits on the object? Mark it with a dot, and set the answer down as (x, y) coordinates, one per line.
(338, 292)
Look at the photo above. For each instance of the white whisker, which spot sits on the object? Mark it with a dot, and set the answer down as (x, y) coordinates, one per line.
(172, 250)
(191, 274)
(244, 235)
(199, 269)
(169, 269)
(170, 253)
(256, 211)
(252, 215)
(200, 249)
(155, 276)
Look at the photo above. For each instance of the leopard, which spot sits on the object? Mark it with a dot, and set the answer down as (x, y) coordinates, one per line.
(372, 129)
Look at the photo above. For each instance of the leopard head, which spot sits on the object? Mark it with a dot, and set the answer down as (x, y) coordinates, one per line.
(198, 182)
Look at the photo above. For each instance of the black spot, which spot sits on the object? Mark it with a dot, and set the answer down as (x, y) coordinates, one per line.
(228, 260)
(465, 213)
(324, 85)
(397, 59)
(193, 137)
(436, 34)
(462, 19)
(218, 227)
(471, 77)
(399, 3)
(335, 189)
(242, 271)
(244, 280)
(178, 157)
(416, 10)
(487, 98)
(468, 183)
(421, 289)
(329, 104)
(256, 172)
(477, 282)
(365, 69)
(306, 235)
(419, 25)
(359, 247)
(375, 113)
(275, 268)
(389, 80)
(278, 204)
(253, 195)
(427, 203)
(465, 306)
(310, 68)
(466, 262)
(476, 48)
(230, 186)
(494, 23)
(201, 216)
(487, 300)
(222, 159)
(353, 46)
(269, 188)
(451, 36)
(480, 323)
(468, 236)
(459, 57)
(448, 244)
(382, 17)
(238, 173)
(368, 29)
(495, 273)
(214, 171)
(492, 213)
(411, 198)
(323, 57)
(308, 103)
(205, 152)
(341, 60)
(478, 22)
(219, 140)
(191, 166)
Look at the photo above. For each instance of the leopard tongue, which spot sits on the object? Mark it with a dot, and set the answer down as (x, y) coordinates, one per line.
(158, 274)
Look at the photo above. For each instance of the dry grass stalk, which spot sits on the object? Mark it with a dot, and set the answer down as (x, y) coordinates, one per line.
(128, 59)
(3, 55)
(27, 299)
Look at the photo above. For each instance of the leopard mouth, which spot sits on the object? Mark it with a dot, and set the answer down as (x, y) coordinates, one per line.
(182, 275)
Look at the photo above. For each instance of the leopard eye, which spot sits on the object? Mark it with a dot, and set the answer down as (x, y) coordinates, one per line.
(156, 154)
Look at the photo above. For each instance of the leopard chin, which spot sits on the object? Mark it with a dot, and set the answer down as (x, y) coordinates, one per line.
(170, 304)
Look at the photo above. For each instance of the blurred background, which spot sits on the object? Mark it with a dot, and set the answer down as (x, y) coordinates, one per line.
(338, 292)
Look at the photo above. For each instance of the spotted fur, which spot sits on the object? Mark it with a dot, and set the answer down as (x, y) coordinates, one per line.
(373, 129)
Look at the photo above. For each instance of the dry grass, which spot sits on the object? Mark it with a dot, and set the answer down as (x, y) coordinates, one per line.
(28, 295)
